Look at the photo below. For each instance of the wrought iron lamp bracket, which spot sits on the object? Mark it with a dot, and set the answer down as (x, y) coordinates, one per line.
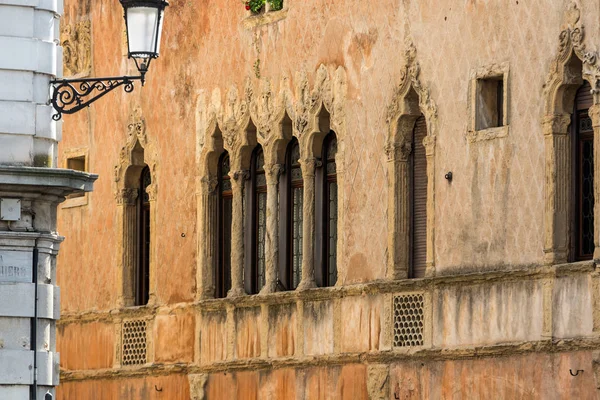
(71, 95)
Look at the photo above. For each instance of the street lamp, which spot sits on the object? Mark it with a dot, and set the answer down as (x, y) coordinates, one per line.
(144, 22)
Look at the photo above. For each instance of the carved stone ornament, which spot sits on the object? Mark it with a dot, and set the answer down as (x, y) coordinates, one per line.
(137, 126)
(571, 40)
(265, 105)
(77, 48)
(126, 196)
(209, 184)
(152, 191)
(398, 151)
(410, 77)
(136, 133)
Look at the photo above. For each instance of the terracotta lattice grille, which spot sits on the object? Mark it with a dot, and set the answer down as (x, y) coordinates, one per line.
(134, 342)
(408, 320)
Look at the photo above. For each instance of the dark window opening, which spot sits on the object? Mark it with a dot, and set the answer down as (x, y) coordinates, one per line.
(77, 164)
(291, 204)
(142, 275)
(418, 201)
(326, 213)
(583, 152)
(256, 221)
(490, 103)
(224, 210)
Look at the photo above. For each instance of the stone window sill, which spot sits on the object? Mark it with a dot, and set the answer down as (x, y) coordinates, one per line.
(269, 17)
(488, 134)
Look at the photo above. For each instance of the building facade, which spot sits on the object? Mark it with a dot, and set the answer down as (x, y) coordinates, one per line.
(31, 187)
(319, 199)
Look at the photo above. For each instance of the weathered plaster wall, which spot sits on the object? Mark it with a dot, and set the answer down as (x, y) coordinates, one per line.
(498, 181)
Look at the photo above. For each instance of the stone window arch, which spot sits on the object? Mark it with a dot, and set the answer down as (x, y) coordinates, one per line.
(572, 66)
(411, 101)
(136, 273)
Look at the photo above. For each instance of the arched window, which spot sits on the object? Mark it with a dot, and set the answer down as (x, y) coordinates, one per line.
(326, 213)
(224, 210)
(142, 273)
(418, 193)
(256, 223)
(582, 243)
(291, 196)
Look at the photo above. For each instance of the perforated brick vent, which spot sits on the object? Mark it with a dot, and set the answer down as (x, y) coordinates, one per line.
(408, 320)
(134, 342)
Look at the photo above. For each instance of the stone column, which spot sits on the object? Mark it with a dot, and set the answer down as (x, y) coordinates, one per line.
(127, 218)
(238, 179)
(152, 191)
(398, 210)
(207, 244)
(594, 113)
(308, 166)
(558, 186)
(272, 173)
(429, 143)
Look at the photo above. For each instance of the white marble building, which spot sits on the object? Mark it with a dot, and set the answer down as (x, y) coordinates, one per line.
(31, 187)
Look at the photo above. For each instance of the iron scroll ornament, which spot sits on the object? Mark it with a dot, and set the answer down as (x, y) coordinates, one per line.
(69, 95)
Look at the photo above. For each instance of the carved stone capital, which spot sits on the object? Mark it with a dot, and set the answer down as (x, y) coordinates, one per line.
(429, 143)
(272, 173)
(152, 191)
(308, 166)
(209, 184)
(398, 151)
(126, 196)
(556, 124)
(240, 176)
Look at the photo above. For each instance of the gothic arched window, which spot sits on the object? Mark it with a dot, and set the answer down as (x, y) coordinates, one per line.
(224, 210)
(291, 203)
(256, 223)
(142, 273)
(326, 213)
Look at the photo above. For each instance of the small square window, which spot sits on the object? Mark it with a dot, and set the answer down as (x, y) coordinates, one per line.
(490, 103)
(76, 163)
(76, 160)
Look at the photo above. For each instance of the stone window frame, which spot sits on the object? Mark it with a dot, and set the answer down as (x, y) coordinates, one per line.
(572, 64)
(138, 152)
(82, 200)
(410, 100)
(252, 21)
(277, 117)
(482, 73)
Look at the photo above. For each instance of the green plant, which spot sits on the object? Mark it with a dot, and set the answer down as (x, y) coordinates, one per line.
(255, 5)
(276, 4)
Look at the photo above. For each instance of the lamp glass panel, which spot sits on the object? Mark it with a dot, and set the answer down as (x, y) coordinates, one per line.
(143, 30)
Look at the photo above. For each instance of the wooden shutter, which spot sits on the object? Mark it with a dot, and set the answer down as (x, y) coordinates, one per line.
(419, 200)
(584, 99)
